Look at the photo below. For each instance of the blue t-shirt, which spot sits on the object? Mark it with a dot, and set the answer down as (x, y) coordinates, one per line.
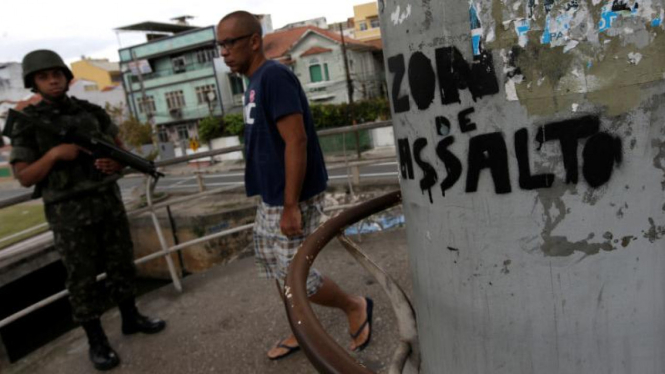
(274, 92)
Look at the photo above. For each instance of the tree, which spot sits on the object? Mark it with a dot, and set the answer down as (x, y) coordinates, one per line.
(133, 132)
(233, 125)
(210, 128)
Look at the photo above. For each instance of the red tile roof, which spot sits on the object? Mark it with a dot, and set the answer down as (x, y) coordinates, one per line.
(378, 43)
(315, 51)
(279, 43)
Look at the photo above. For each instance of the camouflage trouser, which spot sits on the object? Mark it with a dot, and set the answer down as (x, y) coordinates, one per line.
(89, 250)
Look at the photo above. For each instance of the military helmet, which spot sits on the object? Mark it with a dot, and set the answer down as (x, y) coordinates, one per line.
(42, 59)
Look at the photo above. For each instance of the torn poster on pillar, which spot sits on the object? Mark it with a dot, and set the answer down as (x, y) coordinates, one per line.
(481, 31)
(512, 73)
(522, 27)
(557, 27)
(658, 21)
(476, 30)
(615, 9)
(612, 10)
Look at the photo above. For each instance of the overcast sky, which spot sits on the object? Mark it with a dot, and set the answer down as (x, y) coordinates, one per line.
(75, 27)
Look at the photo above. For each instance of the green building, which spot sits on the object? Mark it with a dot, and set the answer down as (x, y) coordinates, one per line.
(171, 80)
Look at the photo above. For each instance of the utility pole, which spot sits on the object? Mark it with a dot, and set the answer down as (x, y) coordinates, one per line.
(349, 86)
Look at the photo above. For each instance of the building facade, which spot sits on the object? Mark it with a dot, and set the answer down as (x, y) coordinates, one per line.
(101, 71)
(316, 57)
(348, 28)
(366, 20)
(172, 82)
(319, 22)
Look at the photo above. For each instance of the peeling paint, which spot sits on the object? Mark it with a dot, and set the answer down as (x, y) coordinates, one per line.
(659, 160)
(398, 17)
(560, 246)
(655, 232)
(634, 58)
(505, 269)
(625, 241)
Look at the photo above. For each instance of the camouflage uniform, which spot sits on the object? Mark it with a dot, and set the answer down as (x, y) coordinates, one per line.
(83, 206)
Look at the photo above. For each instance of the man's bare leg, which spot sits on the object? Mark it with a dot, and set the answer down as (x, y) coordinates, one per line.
(331, 295)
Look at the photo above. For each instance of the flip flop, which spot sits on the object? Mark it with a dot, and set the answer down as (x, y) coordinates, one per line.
(368, 321)
(289, 350)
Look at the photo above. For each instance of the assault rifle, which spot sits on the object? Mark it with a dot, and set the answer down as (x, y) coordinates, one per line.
(99, 148)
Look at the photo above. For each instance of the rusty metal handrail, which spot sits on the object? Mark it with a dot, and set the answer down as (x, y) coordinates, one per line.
(321, 349)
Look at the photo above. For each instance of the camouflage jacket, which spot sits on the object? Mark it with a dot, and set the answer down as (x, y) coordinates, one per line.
(74, 191)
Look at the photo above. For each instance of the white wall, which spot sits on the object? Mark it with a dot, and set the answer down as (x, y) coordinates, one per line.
(11, 82)
(115, 97)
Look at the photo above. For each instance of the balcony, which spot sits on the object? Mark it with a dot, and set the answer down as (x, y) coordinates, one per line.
(168, 77)
(188, 113)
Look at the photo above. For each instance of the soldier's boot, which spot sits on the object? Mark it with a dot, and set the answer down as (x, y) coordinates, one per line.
(133, 321)
(101, 354)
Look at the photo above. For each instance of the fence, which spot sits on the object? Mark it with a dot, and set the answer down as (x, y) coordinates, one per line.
(152, 208)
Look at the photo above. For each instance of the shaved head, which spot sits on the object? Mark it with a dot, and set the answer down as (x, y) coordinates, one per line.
(240, 38)
(245, 22)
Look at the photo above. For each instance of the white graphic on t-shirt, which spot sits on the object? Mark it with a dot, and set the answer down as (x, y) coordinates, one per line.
(247, 112)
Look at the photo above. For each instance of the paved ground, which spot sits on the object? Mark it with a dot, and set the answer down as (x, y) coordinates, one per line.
(227, 318)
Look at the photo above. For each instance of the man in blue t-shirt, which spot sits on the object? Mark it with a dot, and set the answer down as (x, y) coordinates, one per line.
(285, 167)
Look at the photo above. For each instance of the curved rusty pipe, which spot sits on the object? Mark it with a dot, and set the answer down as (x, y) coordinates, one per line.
(323, 352)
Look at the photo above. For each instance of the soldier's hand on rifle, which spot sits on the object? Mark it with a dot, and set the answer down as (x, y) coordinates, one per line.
(108, 166)
(65, 152)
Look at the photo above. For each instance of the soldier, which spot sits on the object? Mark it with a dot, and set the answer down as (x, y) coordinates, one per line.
(82, 202)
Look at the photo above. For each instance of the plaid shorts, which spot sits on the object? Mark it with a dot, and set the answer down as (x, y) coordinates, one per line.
(273, 251)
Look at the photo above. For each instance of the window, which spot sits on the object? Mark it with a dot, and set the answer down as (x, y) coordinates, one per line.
(182, 132)
(363, 25)
(146, 104)
(206, 55)
(202, 93)
(317, 73)
(178, 64)
(374, 23)
(237, 86)
(162, 135)
(175, 100)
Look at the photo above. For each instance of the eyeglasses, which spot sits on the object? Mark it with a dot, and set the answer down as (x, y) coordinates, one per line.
(228, 43)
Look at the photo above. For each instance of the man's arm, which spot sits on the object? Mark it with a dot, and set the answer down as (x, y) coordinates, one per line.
(292, 130)
(29, 174)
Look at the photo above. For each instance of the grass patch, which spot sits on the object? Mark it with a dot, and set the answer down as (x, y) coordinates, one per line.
(18, 218)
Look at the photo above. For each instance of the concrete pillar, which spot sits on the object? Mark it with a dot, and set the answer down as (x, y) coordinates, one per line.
(355, 171)
(200, 182)
(532, 160)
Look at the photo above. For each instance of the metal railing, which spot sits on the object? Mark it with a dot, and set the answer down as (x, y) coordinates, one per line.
(151, 208)
(321, 349)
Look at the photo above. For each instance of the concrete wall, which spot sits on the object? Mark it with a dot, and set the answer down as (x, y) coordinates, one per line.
(225, 142)
(189, 227)
(532, 157)
(11, 82)
(114, 97)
